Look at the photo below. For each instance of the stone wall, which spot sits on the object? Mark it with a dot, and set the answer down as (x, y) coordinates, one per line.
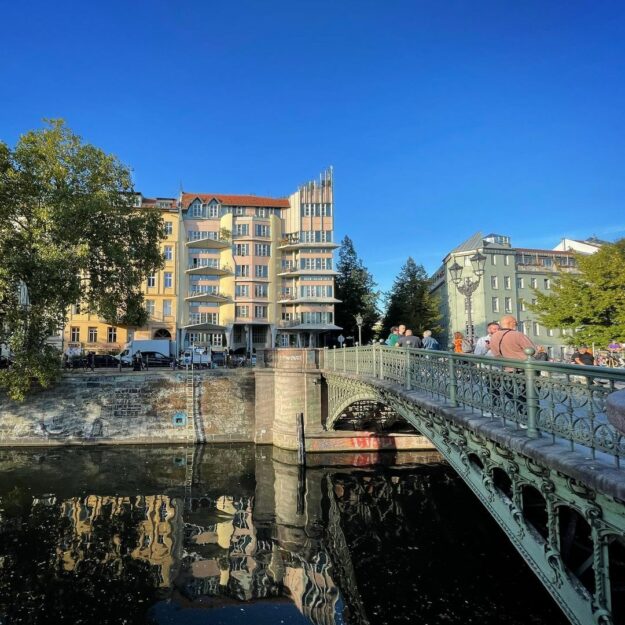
(132, 407)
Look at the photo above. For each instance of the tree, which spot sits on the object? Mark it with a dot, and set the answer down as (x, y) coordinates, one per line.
(355, 287)
(410, 301)
(68, 234)
(592, 302)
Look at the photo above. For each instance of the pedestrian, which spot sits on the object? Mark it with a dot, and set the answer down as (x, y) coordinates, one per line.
(409, 340)
(482, 347)
(509, 343)
(91, 361)
(583, 356)
(461, 345)
(393, 337)
(429, 342)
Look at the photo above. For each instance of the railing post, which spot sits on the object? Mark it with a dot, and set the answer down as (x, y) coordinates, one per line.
(334, 357)
(381, 376)
(357, 363)
(453, 383)
(531, 396)
(374, 348)
(407, 368)
(343, 350)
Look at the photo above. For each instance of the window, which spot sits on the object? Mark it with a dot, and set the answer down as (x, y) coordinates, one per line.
(522, 327)
(196, 209)
(111, 335)
(76, 308)
(166, 308)
(241, 249)
(520, 283)
(213, 211)
(550, 332)
(242, 311)
(261, 212)
(92, 335)
(239, 210)
(534, 301)
(536, 329)
(242, 271)
(493, 259)
(262, 230)
(259, 335)
(547, 283)
(522, 304)
(168, 280)
(152, 281)
(316, 290)
(262, 249)
(494, 282)
(169, 228)
(260, 290)
(75, 334)
(149, 306)
(261, 271)
(241, 230)
(168, 252)
(533, 283)
(242, 290)
(260, 312)
(506, 260)
(508, 304)
(507, 282)
(495, 304)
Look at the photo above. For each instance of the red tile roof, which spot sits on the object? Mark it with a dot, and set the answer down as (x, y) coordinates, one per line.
(236, 200)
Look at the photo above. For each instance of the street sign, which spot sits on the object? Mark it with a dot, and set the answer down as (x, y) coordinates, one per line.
(341, 339)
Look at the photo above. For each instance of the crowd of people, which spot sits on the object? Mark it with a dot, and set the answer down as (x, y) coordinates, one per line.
(401, 336)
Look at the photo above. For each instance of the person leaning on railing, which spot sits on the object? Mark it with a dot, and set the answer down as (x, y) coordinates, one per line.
(509, 343)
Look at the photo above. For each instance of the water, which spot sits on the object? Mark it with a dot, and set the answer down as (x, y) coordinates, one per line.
(237, 534)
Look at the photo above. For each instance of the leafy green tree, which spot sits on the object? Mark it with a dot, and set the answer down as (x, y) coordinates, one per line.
(68, 233)
(410, 302)
(592, 302)
(356, 289)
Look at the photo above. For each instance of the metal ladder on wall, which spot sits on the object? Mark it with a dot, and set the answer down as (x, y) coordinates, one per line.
(190, 434)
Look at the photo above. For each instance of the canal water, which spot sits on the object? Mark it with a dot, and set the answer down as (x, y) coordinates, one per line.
(229, 535)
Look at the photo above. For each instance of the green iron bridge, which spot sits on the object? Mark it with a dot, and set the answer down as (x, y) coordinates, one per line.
(534, 443)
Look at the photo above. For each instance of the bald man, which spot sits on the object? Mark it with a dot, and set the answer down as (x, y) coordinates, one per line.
(508, 342)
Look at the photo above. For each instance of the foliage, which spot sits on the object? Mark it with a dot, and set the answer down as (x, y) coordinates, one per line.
(356, 289)
(68, 234)
(592, 303)
(410, 301)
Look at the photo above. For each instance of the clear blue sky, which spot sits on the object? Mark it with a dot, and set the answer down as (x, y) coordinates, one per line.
(440, 118)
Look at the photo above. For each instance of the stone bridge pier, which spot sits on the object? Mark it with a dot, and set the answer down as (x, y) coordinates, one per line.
(289, 382)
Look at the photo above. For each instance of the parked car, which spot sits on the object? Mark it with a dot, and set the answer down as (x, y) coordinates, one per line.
(156, 359)
(106, 360)
(219, 359)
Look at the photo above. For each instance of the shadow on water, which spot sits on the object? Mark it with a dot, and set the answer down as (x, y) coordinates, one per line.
(229, 534)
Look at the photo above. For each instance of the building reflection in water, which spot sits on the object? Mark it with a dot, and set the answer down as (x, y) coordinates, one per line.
(323, 543)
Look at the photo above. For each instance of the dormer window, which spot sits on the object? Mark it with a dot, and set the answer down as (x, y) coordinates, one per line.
(196, 209)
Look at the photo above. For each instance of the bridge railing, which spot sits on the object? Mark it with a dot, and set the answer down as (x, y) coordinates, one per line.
(562, 401)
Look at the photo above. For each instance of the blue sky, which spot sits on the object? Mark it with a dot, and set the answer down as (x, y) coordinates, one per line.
(440, 118)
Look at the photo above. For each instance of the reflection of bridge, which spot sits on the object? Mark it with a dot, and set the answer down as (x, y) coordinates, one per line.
(536, 448)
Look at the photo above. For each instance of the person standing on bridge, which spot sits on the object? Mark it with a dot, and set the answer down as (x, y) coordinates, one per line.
(393, 337)
(482, 347)
(429, 342)
(509, 343)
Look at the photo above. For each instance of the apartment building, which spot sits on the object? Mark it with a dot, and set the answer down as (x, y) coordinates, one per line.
(511, 277)
(258, 271)
(160, 289)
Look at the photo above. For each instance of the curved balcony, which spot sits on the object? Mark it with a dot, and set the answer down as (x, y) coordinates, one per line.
(295, 272)
(209, 270)
(209, 244)
(304, 299)
(197, 295)
(295, 244)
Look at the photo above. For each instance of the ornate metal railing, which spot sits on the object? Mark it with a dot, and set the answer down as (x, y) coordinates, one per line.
(563, 401)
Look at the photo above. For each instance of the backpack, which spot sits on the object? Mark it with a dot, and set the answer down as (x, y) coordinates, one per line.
(467, 348)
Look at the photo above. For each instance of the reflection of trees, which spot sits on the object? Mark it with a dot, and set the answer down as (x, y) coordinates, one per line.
(106, 585)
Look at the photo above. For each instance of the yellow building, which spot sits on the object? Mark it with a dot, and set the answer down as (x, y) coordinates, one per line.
(161, 296)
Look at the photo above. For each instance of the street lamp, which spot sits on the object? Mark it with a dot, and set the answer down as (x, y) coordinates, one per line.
(359, 321)
(467, 286)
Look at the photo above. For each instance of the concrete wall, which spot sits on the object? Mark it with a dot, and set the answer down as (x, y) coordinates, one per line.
(131, 408)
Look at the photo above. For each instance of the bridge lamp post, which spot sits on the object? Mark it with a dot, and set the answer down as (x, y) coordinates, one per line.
(359, 322)
(467, 286)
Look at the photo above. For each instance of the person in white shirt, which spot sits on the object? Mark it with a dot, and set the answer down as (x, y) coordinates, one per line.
(482, 347)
